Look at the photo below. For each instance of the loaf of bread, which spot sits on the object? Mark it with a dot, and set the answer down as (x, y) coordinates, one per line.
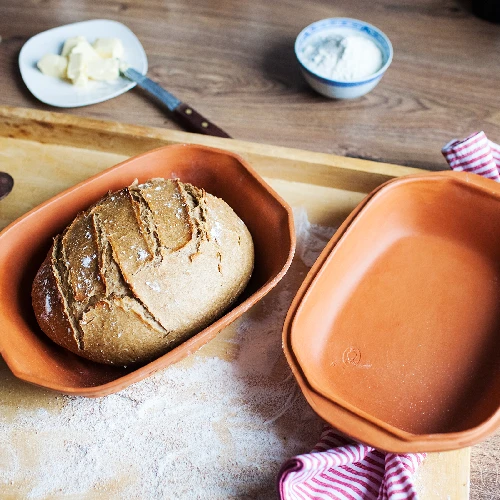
(141, 271)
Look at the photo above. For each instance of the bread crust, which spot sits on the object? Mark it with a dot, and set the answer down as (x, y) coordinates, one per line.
(141, 271)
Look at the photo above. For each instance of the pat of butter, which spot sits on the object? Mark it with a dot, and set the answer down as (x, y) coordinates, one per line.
(70, 44)
(77, 69)
(103, 69)
(80, 61)
(86, 50)
(109, 47)
(53, 65)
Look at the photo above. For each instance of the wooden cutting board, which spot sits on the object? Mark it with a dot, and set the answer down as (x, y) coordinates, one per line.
(48, 152)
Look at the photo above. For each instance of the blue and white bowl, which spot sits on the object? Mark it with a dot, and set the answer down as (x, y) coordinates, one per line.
(340, 89)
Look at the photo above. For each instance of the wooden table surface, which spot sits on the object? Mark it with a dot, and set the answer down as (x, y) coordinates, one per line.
(233, 61)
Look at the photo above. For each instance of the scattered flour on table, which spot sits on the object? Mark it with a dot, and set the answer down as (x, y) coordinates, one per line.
(209, 429)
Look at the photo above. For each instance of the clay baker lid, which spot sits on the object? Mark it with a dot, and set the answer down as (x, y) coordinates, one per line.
(394, 335)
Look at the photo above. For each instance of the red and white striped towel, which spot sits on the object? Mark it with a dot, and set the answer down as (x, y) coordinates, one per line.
(475, 154)
(341, 469)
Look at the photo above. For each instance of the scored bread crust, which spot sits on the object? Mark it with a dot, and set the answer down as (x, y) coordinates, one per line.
(142, 270)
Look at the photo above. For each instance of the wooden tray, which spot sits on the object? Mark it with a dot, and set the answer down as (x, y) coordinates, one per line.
(48, 152)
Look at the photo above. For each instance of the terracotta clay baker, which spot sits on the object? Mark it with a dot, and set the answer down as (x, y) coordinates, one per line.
(393, 336)
(32, 357)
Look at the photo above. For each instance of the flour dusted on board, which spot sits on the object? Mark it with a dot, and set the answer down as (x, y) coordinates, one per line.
(344, 58)
(214, 426)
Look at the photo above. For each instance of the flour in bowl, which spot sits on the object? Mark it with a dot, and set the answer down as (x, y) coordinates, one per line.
(343, 58)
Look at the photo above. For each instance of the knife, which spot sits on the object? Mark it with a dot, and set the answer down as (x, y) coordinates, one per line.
(183, 113)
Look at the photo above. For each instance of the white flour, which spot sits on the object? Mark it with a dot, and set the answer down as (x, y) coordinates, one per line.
(206, 428)
(344, 58)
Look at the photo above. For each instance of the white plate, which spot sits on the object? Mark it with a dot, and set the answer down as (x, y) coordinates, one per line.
(57, 92)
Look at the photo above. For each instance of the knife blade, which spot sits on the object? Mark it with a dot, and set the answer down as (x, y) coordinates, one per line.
(186, 115)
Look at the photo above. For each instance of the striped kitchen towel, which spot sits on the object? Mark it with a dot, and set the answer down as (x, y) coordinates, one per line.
(338, 468)
(475, 154)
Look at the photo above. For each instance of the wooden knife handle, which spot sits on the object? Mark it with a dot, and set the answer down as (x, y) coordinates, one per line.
(193, 121)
